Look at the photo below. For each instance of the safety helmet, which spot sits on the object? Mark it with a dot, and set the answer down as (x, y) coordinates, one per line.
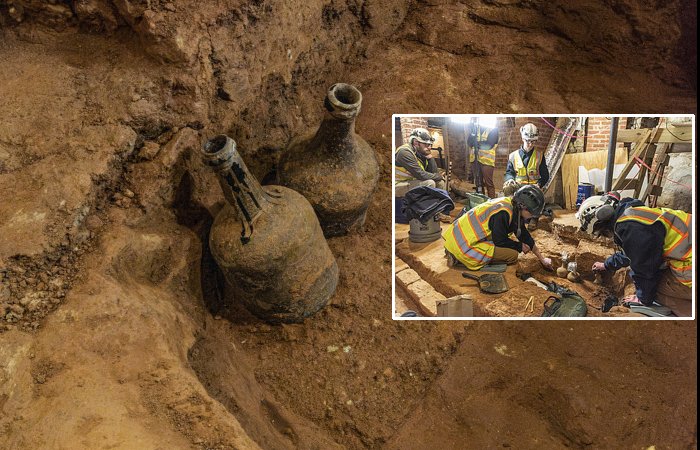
(529, 132)
(531, 198)
(421, 135)
(597, 210)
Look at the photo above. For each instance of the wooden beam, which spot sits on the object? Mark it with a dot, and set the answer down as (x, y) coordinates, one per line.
(674, 135)
(649, 160)
(639, 147)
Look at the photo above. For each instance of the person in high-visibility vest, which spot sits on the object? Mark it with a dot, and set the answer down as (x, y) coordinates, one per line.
(656, 243)
(414, 164)
(481, 235)
(526, 165)
(485, 140)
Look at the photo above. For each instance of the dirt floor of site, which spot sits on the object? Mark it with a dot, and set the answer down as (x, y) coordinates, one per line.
(115, 331)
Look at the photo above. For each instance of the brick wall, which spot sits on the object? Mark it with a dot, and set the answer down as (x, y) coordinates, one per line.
(509, 136)
(408, 124)
(598, 133)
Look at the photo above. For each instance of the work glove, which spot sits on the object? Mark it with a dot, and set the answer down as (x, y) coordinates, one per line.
(509, 187)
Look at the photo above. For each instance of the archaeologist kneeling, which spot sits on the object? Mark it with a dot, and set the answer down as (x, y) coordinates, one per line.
(656, 244)
(480, 236)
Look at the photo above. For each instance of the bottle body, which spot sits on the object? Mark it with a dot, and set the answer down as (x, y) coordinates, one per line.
(333, 167)
(278, 264)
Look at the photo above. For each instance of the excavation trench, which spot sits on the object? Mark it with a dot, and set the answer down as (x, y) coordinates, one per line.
(144, 352)
(555, 239)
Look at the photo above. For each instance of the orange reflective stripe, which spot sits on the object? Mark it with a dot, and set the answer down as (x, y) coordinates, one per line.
(636, 217)
(687, 254)
(464, 246)
(476, 225)
(671, 225)
(673, 247)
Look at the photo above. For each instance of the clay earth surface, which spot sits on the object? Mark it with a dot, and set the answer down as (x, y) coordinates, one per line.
(113, 330)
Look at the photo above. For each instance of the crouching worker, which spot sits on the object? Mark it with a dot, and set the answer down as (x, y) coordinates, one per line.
(414, 165)
(481, 235)
(656, 244)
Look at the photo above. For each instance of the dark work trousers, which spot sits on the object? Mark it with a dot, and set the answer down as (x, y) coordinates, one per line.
(487, 180)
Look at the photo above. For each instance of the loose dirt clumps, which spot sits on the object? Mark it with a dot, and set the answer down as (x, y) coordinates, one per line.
(105, 211)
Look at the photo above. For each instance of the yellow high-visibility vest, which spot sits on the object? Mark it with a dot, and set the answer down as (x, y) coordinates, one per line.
(529, 174)
(400, 173)
(487, 155)
(678, 243)
(469, 237)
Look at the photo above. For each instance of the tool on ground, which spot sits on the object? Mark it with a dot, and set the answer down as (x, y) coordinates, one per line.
(530, 303)
(492, 283)
(530, 279)
(499, 268)
(653, 310)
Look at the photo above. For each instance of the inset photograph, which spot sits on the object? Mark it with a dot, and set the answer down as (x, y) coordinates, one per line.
(543, 217)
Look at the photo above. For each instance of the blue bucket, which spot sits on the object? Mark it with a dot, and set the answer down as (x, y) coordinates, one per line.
(399, 216)
(585, 190)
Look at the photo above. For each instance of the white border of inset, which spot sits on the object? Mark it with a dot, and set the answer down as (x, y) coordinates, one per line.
(393, 224)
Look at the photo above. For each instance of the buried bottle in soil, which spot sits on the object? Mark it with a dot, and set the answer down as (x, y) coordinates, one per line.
(268, 243)
(333, 167)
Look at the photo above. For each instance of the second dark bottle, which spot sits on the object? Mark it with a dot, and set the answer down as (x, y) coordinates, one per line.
(333, 167)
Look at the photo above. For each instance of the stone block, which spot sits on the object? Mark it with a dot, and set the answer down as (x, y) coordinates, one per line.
(425, 296)
(399, 265)
(406, 277)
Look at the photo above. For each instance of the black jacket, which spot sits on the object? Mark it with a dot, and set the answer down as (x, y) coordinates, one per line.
(500, 229)
(642, 249)
(424, 202)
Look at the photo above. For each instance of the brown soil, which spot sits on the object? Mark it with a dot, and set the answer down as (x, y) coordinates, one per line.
(113, 331)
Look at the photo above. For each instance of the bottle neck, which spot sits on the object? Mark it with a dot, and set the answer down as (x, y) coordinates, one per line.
(336, 134)
(337, 130)
(241, 190)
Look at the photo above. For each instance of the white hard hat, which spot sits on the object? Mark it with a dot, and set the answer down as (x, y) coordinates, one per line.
(421, 135)
(529, 132)
(596, 210)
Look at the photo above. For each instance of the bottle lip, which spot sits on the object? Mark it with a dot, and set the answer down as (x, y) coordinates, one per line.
(343, 100)
(218, 150)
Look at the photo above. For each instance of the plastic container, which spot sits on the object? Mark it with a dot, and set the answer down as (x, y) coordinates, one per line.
(585, 190)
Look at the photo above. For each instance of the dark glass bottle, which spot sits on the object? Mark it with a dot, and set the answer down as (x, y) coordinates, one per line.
(333, 167)
(268, 242)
